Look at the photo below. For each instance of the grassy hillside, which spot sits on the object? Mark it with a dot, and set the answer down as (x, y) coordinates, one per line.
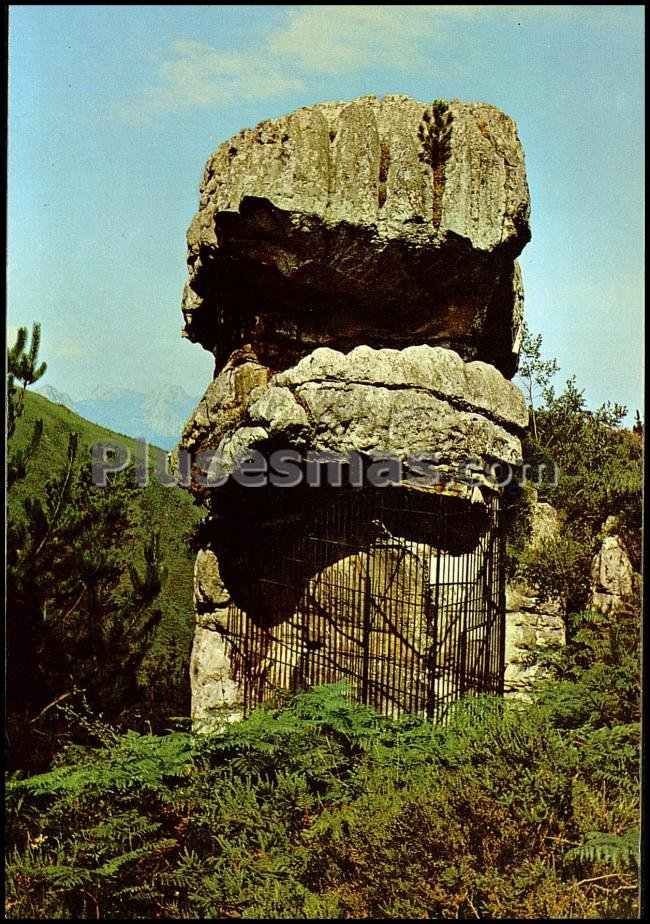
(168, 509)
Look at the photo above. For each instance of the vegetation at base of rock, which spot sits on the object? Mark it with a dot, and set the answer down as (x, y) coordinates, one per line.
(589, 467)
(321, 808)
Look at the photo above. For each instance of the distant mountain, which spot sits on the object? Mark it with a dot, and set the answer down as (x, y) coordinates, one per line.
(157, 417)
(165, 412)
(55, 396)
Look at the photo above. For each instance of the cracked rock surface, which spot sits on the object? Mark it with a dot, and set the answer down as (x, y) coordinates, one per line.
(404, 402)
(362, 222)
(613, 579)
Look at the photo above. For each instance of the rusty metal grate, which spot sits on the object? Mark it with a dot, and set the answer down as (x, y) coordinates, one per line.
(399, 593)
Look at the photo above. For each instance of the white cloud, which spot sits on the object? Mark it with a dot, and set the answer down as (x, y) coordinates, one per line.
(196, 75)
(200, 75)
(313, 41)
(339, 39)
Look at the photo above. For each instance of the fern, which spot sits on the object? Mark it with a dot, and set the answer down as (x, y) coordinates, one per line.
(618, 851)
(142, 761)
(322, 807)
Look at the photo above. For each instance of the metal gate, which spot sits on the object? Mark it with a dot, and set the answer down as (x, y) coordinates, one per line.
(398, 592)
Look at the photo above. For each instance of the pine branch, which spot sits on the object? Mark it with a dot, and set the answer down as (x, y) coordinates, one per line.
(73, 442)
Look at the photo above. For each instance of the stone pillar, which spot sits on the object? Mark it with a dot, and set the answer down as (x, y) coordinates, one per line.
(530, 623)
(216, 694)
(353, 269)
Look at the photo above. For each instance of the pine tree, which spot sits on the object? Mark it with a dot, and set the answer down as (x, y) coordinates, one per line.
(434, 135)
(79, 614)
(23, 368)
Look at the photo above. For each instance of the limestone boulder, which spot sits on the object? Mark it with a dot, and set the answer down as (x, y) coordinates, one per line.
(531, 623)
(210, 593)
(418, 401)
(613, 580)
(383, 221)
(224, 403)
(216, 697)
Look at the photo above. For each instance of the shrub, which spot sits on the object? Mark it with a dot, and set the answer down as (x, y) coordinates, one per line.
(557, 568)
(322, 808)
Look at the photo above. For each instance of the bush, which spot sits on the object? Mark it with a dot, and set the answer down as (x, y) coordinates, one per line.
(321, 808)
(557, 568)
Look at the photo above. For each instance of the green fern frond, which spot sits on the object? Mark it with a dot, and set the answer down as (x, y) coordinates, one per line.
(618, 851)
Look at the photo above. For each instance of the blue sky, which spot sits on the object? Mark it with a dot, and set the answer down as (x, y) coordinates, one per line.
(113, 111)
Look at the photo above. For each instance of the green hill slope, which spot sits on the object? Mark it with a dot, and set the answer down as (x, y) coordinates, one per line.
(168, 509)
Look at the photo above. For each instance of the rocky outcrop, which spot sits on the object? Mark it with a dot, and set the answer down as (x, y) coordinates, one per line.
(379, 221)
(211, 677)
(531, 623)
(614, 582)
(352, 267)
(225, 403)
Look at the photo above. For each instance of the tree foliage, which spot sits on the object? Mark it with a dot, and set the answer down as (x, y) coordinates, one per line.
(23, 369)
(75, 623)
(535, 373)
(588, 465)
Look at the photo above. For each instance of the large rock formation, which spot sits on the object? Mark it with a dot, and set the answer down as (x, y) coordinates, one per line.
(352, 267)
(380, 221)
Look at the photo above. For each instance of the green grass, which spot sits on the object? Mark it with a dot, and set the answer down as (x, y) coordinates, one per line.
(168, 509)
